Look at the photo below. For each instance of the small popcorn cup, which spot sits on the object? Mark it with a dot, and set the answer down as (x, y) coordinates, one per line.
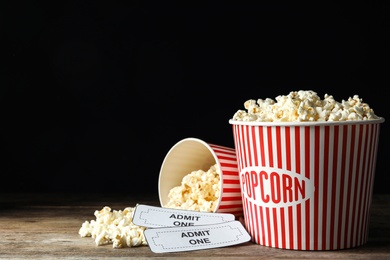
(192, 154)
(307, 185)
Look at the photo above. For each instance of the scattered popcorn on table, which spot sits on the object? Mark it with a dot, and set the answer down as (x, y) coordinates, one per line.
(304, 106)
(114, 227)
(199, 191)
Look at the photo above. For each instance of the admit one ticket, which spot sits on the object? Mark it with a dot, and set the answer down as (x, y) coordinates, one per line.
(174, 230)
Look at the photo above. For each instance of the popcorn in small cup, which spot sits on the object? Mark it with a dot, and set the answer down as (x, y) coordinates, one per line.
(200, 176)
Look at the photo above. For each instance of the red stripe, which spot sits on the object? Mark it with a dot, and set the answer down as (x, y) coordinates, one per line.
(230, 173)
(299, 227)
(291, 224)
(226, 181)
(225, 198)
(275, 218)
(270, 153)
(261, 141)
(307, 175)
(248, 145)
(317, 131)
(325, 185)
(278, 147)
(288, 148)
(227, 150)
(297, 150)
(254, 143)
(334, 176)
(231, 189)
(220, 156)
(228, 206)
(244, 155)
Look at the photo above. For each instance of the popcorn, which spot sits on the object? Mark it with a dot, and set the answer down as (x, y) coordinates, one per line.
(304, 106)
(114, 227)
(199, 191)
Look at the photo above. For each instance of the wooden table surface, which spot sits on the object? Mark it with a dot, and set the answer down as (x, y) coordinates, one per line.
(45, 226)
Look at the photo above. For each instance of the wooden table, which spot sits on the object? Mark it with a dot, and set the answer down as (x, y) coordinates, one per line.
(45, 226)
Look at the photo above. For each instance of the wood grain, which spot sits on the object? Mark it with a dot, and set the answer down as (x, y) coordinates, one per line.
(45, 226)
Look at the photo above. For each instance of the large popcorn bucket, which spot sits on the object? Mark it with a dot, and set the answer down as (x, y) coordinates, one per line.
(192, 154)
(307, 185)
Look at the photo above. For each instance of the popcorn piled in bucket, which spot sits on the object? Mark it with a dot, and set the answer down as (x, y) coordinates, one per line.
(199, 191)
(114, 227)
(304, 106)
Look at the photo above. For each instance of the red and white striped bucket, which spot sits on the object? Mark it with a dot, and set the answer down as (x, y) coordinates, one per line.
(192, 154)
(307, 185)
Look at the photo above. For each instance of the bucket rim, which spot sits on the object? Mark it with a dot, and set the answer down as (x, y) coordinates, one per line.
(305, 123)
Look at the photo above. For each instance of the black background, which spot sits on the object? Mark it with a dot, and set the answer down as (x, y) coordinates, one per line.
(93, 94)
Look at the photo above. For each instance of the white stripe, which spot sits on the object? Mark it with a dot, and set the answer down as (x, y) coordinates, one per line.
(338, 179)
(279, 231)
(230, 185)
(352, 192)
(251, 156)
(365, 187)
(233, 194)
(231, 177)
(274, 147)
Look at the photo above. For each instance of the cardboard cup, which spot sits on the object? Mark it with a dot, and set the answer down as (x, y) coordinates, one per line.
(192, 154)
(307, 185)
